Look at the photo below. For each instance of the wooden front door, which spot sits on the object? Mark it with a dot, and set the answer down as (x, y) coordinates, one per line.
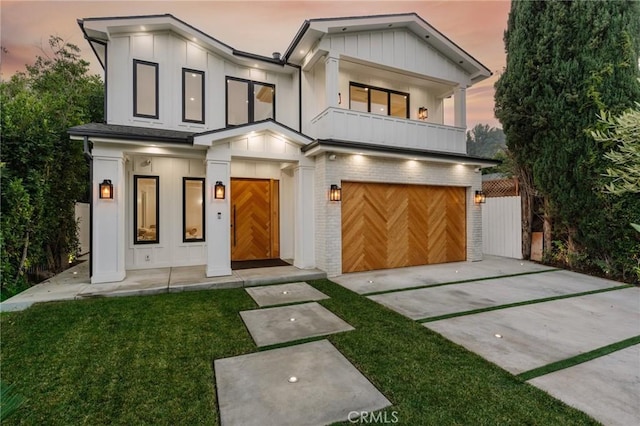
(392, 226)
(254, 219)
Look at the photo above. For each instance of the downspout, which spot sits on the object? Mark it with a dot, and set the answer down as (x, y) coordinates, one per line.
(89, 158)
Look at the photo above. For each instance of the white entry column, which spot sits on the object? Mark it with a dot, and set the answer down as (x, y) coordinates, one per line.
(217, 219)
(304, 243)
(108, 243)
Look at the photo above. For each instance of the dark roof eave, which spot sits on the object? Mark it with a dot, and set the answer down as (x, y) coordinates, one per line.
(333, 143)
(114, 134)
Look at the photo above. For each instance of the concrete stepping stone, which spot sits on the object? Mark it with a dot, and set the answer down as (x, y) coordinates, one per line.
(271, 326)
(307, 384)
(285, 293)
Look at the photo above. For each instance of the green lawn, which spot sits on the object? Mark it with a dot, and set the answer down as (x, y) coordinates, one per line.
(148, 360)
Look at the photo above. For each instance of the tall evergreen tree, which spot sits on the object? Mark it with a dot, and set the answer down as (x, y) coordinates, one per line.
(565, 62)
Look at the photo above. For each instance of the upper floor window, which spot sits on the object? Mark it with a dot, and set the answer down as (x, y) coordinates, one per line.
(249, 101)
(145, 89)
(192, 96)
(378, 101)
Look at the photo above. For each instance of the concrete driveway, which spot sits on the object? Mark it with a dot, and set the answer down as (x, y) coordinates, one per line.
(523, 316)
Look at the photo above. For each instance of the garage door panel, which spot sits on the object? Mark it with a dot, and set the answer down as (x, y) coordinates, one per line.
(397, 228)
(391, 225)
(456, 225)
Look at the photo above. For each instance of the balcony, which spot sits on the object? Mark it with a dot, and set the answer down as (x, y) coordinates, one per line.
(348, 125)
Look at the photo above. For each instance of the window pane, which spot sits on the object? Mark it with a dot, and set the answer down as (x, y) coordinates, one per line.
(146, 215)
(193, 82)
(262, 102)
(359, 98)
(398, 105)
(237, 102)
(146, 78)
(193, 218)
(378, 101)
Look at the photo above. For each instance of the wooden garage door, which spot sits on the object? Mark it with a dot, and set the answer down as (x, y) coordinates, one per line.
(391, 226)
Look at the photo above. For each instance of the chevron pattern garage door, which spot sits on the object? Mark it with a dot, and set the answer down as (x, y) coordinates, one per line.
(391, 226)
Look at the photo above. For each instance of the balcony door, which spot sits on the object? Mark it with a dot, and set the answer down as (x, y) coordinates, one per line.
(255, 219)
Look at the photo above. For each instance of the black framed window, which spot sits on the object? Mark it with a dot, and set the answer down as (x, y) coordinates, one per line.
(145, 89)
(377, 100)
(146, 210)
(249, 101)
(192, 96)
(192, 209)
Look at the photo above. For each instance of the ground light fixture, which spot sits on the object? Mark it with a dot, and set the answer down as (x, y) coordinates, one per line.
(106, 190)
(480, 198)
(335, 193)
(219, 191)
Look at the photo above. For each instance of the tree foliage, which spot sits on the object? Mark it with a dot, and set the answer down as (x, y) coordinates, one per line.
(623, 132)
(485, 141)
(44, 173)
(567, 61)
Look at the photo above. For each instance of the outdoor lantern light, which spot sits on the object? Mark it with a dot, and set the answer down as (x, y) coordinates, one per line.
(335, 193)
(423, 113)
(480, 198)
(219, 191)
(106, 189)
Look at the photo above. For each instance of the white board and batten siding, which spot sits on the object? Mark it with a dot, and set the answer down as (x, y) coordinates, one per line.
(501, 227)
(172, 53)
(400, 49)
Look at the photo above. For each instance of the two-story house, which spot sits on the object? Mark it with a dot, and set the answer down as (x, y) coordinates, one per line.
(332, 155)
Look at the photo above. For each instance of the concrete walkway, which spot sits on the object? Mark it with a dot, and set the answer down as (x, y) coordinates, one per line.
(74, 283)
(522, 338)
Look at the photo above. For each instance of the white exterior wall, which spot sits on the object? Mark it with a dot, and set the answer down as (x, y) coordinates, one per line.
(373, 169)
(171, 250)
(172, 53)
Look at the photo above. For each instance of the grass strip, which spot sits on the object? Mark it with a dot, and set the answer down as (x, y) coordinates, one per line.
(579, 359)
(526, 302)
(470, 280)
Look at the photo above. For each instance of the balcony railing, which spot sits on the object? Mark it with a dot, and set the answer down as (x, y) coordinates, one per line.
(348, 125)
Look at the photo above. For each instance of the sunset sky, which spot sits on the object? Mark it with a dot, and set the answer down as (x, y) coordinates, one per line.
(260, 27)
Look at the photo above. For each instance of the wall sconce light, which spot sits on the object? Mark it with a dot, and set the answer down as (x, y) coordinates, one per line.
(480, 198)
(219, 191)
(423, 113)
(106, 190)
(335, 193)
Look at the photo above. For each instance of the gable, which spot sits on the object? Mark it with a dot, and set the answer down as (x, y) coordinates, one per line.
(399, 49)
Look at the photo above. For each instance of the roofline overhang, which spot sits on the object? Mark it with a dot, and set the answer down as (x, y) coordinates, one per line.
(121, 136)
(269, 125)
(181, 27)
(321, 146)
